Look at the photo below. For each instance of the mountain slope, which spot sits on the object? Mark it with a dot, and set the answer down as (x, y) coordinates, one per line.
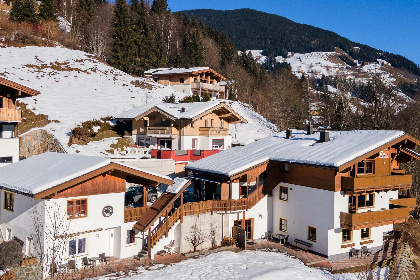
(76, 87)
(277, 35)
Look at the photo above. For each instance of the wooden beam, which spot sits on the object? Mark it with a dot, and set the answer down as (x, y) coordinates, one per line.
(149, 243)
(144, 196)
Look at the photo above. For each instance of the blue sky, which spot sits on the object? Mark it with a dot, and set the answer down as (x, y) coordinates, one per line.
(388, 25)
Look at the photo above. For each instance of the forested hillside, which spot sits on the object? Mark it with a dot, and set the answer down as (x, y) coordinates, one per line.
(277, 35)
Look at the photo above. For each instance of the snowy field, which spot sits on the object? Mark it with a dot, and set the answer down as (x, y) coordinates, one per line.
(255, 265)
(76, 87)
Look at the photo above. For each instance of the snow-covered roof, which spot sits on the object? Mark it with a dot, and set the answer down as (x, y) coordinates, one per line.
(167, 71)
(173, 109)
(343, 147)
(42, 172)
(179, 183)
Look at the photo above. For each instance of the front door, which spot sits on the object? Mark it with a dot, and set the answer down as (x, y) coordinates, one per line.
(110, 235)
(249, 227)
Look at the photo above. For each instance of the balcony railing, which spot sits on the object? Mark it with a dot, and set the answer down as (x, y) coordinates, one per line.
(405, 202)
(213, 131)
(210, 87)
(133, 214)
(374, 218)
(10, 115)
(161, 130)
(373, 183)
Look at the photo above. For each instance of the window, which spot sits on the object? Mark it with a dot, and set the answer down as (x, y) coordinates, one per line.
(76, 208)
(285, 168)
(311, 233)
(144, 142)
(284, 193)
(222, 123)
(365, 200)
(146, 123)
(6, 159)
(77, 246)
(212, 123)
(346, 235)
(194, 143)
(217, 143)
(131, 236)
(283, 225)
(8, 201)
(181, 80)
(165, 143)
(365, 167)
(365, 233)
(29, 246)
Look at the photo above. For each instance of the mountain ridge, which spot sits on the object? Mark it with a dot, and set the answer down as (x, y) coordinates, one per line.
(254, 29)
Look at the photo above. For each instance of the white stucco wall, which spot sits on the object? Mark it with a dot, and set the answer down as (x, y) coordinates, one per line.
(381, 202)
(9, 147)
(305, 207)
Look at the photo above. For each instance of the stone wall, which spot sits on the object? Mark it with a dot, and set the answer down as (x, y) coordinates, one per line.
(39, 141)
(29, 272)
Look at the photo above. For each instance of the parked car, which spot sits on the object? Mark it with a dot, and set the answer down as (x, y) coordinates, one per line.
(134, 195)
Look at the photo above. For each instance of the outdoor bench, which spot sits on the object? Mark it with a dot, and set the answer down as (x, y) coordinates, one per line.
(302, 243)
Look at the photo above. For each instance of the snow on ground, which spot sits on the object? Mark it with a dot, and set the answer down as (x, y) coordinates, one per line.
(76, 87)
(256, 265)
(257, 127)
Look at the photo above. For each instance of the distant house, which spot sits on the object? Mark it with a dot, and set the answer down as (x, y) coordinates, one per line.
(71, 206)
(194, 80)
(182, 126)
(10, 116)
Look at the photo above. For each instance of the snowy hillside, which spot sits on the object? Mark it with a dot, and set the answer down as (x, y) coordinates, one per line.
(76, 87)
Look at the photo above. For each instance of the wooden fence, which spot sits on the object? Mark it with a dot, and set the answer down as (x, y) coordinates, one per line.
(197, 208)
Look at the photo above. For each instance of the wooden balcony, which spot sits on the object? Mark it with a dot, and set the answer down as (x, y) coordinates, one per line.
(209, 87)
(133, 214)
(157, 130)
(405, 202)
(10, 115)
(374, 218)
(375, 183)
(213, 131)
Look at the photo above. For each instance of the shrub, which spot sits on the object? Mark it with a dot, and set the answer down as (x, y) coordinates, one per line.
(228, 241)
(10, 253)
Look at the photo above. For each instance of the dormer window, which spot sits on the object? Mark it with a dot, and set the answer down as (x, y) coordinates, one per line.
(365, 167)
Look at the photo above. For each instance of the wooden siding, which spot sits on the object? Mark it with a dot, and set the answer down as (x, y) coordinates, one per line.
(309, 176)
(375, 183)
(382, 166)
(10, 115)
(100, 185)
(356, 221)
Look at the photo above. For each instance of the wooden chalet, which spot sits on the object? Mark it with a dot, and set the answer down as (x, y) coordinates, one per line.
(195, 80)
(10, 116)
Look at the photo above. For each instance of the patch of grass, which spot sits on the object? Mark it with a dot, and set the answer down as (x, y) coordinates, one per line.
(123, 143)
(94, 130)
(31, 119)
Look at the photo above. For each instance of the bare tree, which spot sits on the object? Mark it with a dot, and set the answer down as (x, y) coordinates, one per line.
(196, 237)
(50, 235)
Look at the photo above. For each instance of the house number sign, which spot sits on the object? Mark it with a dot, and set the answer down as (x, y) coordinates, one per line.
(107, 211)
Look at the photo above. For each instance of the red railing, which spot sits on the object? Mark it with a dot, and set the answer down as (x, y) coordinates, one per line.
(186, 155)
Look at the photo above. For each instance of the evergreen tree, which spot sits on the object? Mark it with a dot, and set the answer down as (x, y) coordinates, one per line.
(159, 6)
(24, 10)
(47, 10)
(143, 37)
(123, 49)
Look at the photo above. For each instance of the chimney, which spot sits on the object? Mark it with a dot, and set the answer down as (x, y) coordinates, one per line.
(324, 136)
(289, 134)
(183, 110)
(309, 129)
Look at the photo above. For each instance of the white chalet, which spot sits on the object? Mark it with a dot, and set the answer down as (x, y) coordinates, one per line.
(74, 202)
